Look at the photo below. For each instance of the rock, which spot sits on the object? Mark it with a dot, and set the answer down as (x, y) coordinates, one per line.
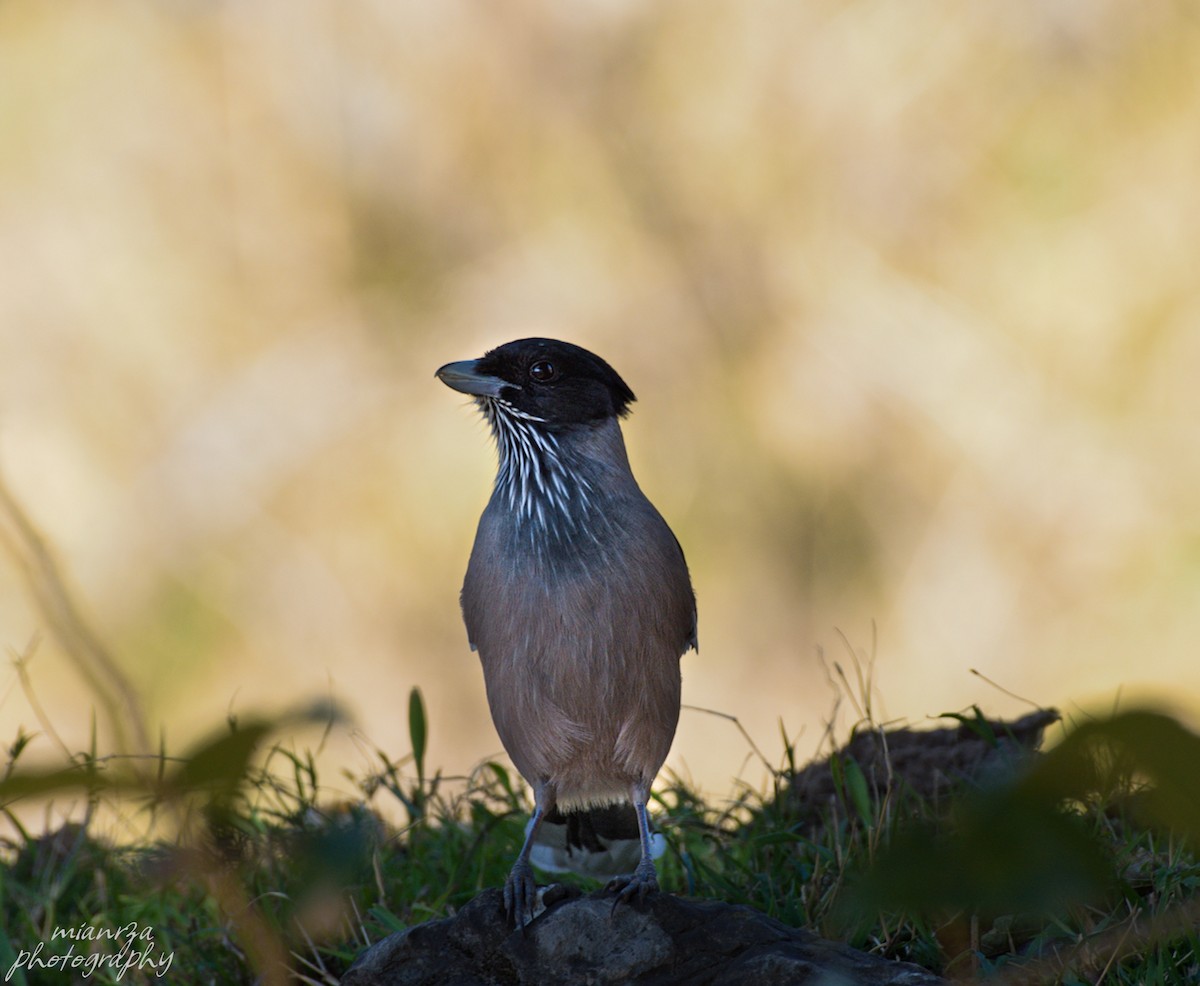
(579, 939)
(930, 763)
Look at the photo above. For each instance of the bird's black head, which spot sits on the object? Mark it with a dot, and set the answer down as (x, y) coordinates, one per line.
(543, 380)
(553, 410)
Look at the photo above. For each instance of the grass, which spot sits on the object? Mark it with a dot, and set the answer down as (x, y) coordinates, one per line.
(1079, 869)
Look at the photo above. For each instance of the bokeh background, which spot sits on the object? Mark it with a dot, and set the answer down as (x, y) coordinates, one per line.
(908, 293)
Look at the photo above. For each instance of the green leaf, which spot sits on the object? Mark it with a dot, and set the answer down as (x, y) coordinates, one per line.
(1004, 853)
(39, 783)
(860, 794)
(8, 959)
(220, 765)
(418, 731)
(386, 918)
(1024, 847)
(217, 765)
(1139, 751)
(504, 778)
(977, 724)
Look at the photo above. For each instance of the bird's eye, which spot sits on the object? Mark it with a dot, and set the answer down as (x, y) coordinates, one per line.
(543, 371)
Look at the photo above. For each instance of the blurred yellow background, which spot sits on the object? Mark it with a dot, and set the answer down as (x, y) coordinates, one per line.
(908, 292)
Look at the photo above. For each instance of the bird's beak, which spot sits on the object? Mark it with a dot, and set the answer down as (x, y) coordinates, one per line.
(466, 379)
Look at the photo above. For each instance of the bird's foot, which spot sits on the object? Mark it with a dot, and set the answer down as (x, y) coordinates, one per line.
(520, 894)
(639, 883)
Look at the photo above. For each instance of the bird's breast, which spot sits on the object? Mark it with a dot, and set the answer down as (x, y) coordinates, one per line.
(580, 642)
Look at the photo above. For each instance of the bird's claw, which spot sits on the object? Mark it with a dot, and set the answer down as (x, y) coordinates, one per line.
(520, 894)
(642, 881)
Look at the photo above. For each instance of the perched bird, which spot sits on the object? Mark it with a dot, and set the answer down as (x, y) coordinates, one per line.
(577, 596)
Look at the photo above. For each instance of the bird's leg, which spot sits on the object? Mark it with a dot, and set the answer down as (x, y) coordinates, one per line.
(644, 879)
(520, 889)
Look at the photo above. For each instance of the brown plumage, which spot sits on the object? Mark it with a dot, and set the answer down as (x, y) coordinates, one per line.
(577, 596)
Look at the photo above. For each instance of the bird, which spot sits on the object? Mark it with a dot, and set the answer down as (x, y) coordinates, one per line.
(577, 598)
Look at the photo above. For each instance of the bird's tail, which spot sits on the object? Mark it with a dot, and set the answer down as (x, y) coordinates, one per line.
(598, 842)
